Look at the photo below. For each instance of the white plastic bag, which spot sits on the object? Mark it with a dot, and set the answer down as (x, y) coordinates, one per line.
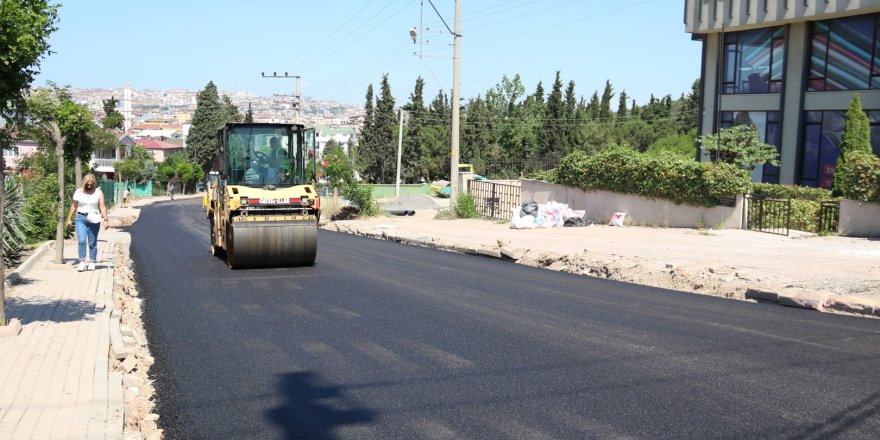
(617, 219)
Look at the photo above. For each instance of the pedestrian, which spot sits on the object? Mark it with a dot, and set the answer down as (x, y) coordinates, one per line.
(88, 204)
(125, 196)
(171, 190)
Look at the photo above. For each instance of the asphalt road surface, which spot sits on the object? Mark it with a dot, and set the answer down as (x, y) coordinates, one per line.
(380, 340)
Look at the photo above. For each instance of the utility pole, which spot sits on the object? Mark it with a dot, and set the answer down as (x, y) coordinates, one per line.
(403, 114)
(455, 104)
(296, 98)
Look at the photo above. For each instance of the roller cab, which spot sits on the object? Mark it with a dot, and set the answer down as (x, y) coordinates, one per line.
(264, 211)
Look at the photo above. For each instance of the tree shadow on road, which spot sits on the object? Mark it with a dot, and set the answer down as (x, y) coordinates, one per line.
(312, 409)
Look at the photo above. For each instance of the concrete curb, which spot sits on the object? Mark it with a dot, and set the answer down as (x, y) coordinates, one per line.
(15, 276)
(819, 301)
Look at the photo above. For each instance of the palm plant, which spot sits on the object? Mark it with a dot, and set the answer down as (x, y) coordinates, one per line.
(16, 223)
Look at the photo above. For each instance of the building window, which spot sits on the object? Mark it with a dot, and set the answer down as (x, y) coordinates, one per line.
(768, 125)
(822, 132)
(11, 152)
(844, 54)
(753, 61)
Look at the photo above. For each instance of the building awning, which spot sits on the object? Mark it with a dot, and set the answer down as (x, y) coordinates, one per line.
(103, 169)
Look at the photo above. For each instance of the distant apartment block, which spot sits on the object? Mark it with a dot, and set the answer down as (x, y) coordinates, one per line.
(791, 68)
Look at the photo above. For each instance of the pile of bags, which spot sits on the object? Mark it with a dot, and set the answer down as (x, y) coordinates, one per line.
(532, 215)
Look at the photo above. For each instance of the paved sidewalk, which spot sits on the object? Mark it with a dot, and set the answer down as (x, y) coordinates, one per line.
(55, 379)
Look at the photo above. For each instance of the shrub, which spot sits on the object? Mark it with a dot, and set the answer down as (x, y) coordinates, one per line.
(465, 206)
(665, 176)
(41, 206)
(858, 177)
(682, 144)
(362, 197)
(775, 191)
(16, 224)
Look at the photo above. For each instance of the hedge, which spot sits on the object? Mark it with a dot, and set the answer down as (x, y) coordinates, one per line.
(666, 176)
(858, 177)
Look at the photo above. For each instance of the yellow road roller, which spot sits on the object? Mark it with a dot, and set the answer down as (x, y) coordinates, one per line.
(264, 209)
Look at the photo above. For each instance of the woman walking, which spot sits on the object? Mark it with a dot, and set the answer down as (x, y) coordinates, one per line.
(88, 204)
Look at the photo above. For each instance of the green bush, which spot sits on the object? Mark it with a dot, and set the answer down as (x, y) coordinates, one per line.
(16, 224)
(775, 191)
(666, 175)
(465, 206)
(858, 177)
(362, 197)
(41, 206)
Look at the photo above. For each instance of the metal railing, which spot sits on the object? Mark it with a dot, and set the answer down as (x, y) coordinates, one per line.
(495, 200)
(768, 215)
(104, 162)
(829, 216)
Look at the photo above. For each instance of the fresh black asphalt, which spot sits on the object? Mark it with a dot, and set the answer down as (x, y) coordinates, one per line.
(380, 340)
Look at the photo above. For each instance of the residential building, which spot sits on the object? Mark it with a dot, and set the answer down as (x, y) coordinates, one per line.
(19, 148)
(160, 150)
(790, 67)
(343, 135)
(104, 162)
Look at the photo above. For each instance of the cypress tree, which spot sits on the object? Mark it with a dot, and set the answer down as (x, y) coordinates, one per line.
(249, 116)
(593, 106)
(539, 93)
(410, 169)
(364, 152)
(621, 106)
(385, 142)
(201, 143)
(553, 140)
(856, 136)
(570, 125)
(605, 106)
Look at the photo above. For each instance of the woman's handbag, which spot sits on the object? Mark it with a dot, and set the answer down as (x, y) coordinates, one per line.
(94, 217)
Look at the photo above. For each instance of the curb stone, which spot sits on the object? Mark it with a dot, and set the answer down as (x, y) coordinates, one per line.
(822, 302)
(15, 276)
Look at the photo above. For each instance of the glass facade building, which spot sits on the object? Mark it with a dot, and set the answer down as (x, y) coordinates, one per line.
(791, 70)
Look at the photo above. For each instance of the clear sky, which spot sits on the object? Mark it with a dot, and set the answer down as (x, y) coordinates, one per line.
(338, 47)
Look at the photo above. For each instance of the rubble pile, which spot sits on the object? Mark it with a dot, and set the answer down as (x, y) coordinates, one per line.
(129, 354)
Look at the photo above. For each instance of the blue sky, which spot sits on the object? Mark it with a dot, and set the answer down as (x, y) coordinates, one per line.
(338, 47)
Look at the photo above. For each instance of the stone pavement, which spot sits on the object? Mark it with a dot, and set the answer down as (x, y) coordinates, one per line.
(57, 378)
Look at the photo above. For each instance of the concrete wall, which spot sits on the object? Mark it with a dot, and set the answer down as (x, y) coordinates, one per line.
(639, 210)
(859, 219)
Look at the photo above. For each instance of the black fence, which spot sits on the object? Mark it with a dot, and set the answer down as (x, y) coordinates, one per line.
(514, 169)
(829, 216)
(768, 215)
(495, 200)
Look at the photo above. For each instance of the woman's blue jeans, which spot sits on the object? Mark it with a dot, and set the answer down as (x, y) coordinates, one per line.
(87, 231)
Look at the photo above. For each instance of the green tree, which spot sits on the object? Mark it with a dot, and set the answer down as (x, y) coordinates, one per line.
(128, 169)
(605, 105)
(232, 113)
(740, 145)
(412, 138)
(363, 151)
(569, 127)
(201, 143)
(25, 27)
(689, 110)
(52, 118)
(621, 106)
(478, 142)
(249, 116)
(553, 139)
(857, 130)
(337, 168)
(593, 106)
(385, 142)
(112, 117)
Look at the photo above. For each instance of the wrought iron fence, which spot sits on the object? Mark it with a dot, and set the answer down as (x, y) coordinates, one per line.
(829, 216)
(495, 200)
(768, 215)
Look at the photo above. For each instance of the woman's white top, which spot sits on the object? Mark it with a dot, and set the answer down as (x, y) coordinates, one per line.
(87, 203)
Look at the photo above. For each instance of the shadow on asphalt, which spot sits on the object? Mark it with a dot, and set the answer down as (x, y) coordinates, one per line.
(313, 409)
(841, 424)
